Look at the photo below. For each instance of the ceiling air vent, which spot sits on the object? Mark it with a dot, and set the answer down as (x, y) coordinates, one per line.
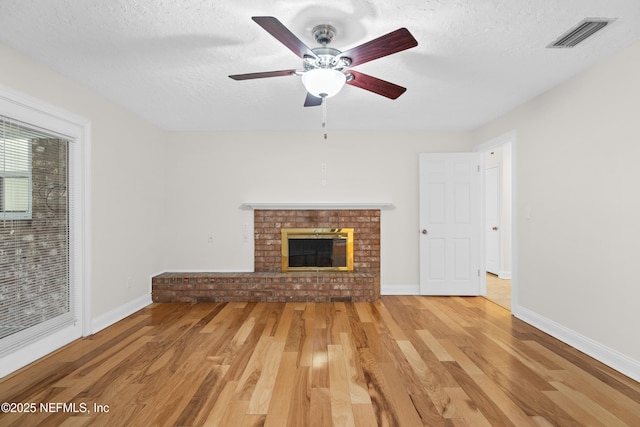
(580, 32)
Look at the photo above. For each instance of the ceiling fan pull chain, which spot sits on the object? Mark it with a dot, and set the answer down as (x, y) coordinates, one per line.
(324, 116)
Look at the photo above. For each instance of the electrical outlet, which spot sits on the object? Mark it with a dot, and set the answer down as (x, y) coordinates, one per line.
(245, 233)
(323, 167)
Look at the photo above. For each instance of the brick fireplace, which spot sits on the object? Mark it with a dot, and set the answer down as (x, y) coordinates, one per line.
(268, 283)
(365, 224)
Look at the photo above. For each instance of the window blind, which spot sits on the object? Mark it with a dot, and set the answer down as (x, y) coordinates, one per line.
(35, 243)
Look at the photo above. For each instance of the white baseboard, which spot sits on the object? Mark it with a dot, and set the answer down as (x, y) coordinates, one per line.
(119, 313)
(399, 289)
(598, 351)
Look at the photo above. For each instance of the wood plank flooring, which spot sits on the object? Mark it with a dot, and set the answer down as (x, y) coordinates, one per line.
(400, 361)
(499, 290)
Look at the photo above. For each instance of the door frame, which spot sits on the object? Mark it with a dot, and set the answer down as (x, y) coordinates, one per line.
(508, 137)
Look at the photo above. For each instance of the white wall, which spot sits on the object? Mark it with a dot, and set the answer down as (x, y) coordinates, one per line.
(127, 187)
(578, 208)
(211, 174)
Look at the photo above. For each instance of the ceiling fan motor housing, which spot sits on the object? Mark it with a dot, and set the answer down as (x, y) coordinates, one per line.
(326, 58)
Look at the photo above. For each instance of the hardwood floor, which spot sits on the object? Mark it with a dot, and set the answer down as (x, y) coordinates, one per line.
(400, 361)
(499, 290)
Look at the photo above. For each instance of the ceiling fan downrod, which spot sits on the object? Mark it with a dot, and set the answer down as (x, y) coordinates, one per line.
(323, 33)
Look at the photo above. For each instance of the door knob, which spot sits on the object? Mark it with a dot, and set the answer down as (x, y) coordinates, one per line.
(494, 228)
(424, 231)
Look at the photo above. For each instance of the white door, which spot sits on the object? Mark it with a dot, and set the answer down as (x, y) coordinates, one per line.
(450, 224)
(492, 230)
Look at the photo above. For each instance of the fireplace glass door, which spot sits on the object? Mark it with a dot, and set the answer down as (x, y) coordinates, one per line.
(316, 249)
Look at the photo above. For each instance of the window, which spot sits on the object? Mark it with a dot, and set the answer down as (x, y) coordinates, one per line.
(35, 232)
(44, 275)
(15, 171)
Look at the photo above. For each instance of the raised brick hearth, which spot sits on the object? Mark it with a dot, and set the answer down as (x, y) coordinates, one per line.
(265, 287)
(268, 283)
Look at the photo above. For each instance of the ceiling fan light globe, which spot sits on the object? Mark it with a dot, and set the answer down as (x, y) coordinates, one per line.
(323, 82)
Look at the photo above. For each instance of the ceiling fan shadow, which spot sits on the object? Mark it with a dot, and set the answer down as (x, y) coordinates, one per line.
(349, 22)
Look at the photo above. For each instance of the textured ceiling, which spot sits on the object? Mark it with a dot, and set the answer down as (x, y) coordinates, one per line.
(168, 60)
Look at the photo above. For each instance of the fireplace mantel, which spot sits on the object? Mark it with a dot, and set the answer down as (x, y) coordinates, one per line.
(317, 205)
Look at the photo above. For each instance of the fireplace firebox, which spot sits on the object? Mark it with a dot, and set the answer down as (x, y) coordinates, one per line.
(317, 249)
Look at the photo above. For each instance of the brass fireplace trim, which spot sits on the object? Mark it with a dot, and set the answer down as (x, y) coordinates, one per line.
(316, 233)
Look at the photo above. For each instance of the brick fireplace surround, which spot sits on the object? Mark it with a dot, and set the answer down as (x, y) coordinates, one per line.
(268, 284)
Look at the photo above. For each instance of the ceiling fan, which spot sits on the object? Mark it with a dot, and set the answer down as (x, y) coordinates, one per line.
(326, 70)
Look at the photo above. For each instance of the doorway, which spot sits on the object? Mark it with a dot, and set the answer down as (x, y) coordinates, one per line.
(497, 157)
(498, 290)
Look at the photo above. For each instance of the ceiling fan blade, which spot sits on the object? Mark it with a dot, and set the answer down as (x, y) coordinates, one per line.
(262, 75)
(286, 37)
(375, 85)
(312, 101)
(394, 42)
